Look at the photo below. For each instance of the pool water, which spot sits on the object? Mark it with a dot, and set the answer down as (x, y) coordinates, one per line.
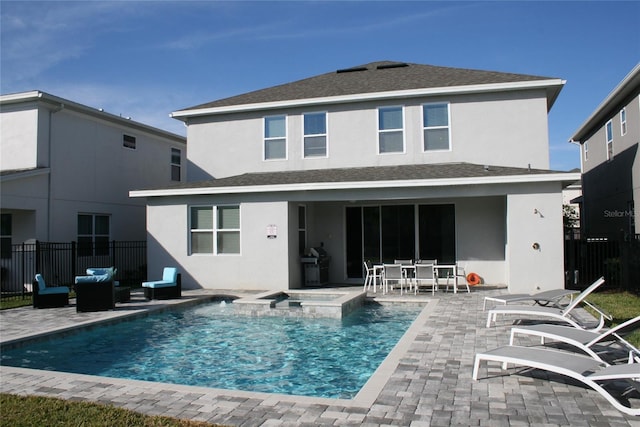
(210, 346)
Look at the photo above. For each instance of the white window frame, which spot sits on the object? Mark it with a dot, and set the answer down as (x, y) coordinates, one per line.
(608, 135)
(424, 128)
(265, 139)
(586, 150)
(623, 121)
(215, 231)
(313, 135)
(382, 131)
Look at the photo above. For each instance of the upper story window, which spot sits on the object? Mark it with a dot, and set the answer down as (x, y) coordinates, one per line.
(623, 121)
(609, 133)
(176, 164)
(390, 130)
(129, 141)
(275, 137)
(93, 234)
(221, 236)
(315, 135)
(585, 149)
(435, 122)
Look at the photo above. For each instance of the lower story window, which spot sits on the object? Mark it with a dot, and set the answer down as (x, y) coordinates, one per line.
(93, 234)
(215, 229)
(5, 236)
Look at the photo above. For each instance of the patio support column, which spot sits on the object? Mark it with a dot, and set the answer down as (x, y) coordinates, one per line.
(535, 247)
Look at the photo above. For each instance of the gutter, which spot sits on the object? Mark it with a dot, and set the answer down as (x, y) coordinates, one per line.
(47, 98)
(553, 87)
(568, 178)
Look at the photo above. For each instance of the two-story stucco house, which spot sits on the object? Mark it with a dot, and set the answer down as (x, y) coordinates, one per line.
(610, 165)
(377, 162)
(67, 169)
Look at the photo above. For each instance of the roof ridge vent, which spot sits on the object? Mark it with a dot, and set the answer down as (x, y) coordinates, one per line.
(351, 70)
(392, 65)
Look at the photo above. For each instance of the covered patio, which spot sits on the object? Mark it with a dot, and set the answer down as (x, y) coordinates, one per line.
(502, 223)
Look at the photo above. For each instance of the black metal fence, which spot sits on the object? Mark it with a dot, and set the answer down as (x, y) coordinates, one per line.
(587, 259)
(59, 263)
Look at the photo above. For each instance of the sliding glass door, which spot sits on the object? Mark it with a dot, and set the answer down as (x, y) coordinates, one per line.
(381, 234)
(437, 233)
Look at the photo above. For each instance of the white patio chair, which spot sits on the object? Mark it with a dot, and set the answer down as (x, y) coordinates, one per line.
(392, 273)
(454, 276)
(425, 276)
(369, 276)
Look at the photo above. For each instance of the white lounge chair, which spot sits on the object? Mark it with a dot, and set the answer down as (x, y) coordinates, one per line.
(587, 370)
(566, 314)
(553, 297)
(595, 344)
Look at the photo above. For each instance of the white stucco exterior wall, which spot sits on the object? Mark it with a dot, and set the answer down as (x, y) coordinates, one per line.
(502, 129)
(19, 148)
(262, 264)
(535, 218)
(481, 237)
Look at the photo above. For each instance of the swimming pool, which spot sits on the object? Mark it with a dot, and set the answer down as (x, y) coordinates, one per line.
(211, 346)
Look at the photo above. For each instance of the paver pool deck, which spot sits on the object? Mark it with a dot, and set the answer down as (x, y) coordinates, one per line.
(425, 381)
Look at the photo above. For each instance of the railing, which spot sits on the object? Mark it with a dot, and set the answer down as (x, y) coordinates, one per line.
(59, 263)
(618, 261)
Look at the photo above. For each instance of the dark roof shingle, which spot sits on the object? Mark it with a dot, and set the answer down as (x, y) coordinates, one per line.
(365, 174)
(381, 76)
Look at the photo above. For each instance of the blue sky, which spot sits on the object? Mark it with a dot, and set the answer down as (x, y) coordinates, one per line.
(145, 59)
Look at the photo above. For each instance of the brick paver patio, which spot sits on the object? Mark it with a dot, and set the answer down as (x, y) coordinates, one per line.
(426, 381)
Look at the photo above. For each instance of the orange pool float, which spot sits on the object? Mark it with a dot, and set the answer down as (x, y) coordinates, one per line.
(473, 279)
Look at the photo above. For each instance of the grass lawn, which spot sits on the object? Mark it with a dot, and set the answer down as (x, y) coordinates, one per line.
(622, 306)
(17, 411)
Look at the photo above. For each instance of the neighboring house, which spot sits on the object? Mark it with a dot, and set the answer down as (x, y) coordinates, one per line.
(571, 200)
(67, 169)
(381, 161)
(610, 163)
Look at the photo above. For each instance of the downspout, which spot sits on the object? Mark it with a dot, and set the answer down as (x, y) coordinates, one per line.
(49, 159)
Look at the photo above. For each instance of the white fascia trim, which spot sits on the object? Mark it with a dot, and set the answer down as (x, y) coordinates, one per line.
(411, 93)
(360, 185)
(21, 96)
(61, 103)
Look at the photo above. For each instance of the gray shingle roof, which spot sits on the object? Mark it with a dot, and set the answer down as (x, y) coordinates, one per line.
(381, 76)
(366, 174)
